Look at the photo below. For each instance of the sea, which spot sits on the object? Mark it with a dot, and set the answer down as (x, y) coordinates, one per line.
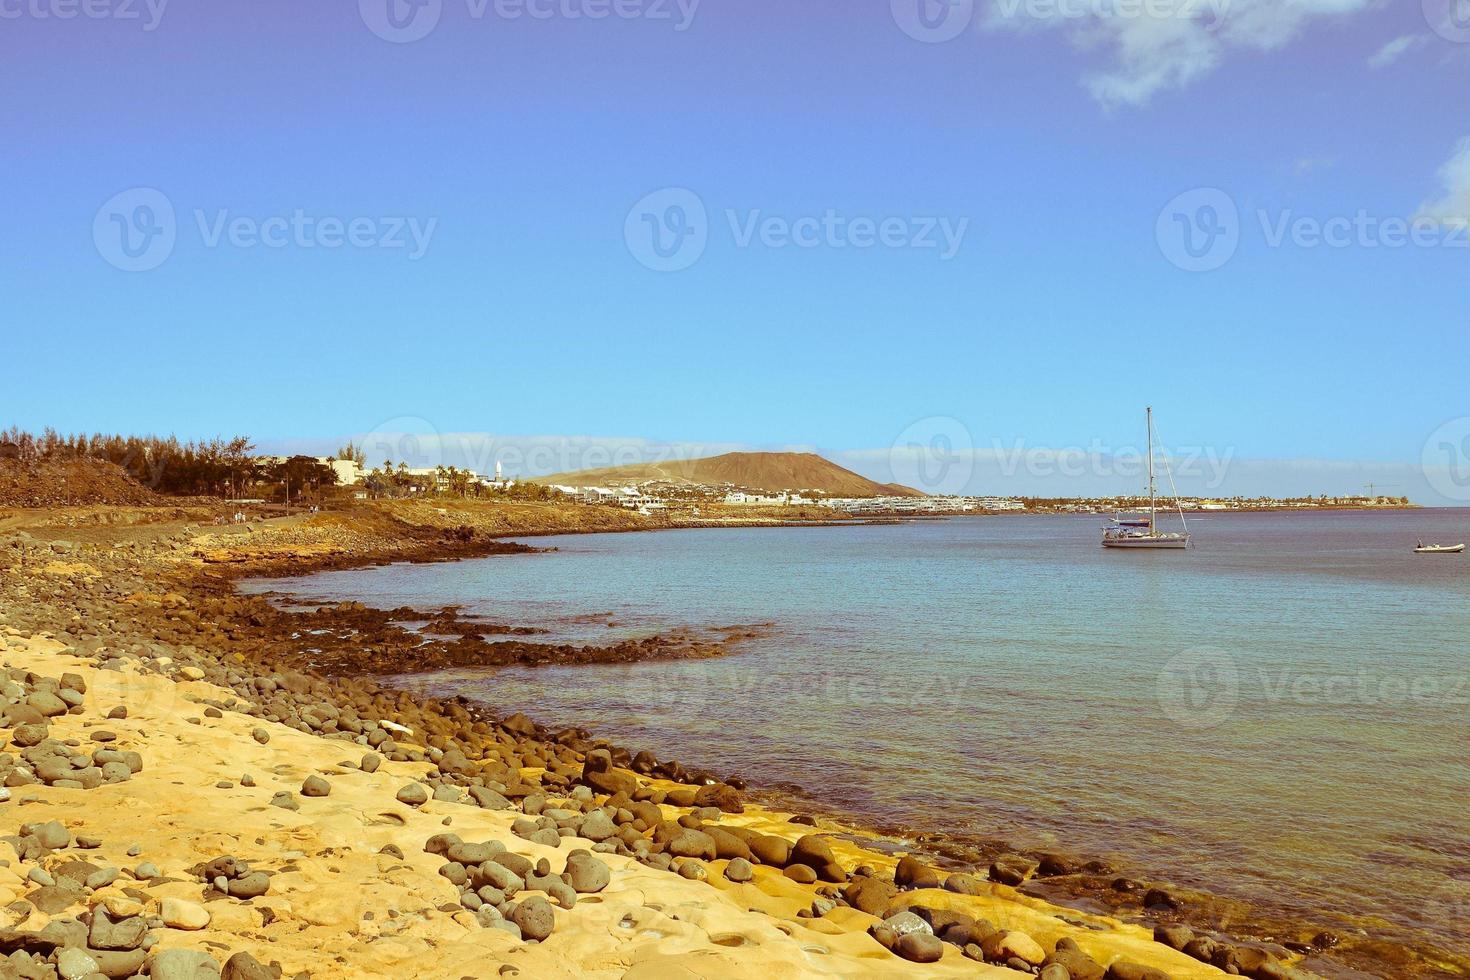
(1279, 715)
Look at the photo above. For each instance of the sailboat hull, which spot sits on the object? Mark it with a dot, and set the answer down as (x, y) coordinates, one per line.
(1161, 543)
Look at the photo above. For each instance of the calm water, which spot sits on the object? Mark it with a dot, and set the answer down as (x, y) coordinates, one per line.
(1281, 714)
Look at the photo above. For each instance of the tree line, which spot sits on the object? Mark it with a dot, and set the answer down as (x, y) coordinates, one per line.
(205, 468)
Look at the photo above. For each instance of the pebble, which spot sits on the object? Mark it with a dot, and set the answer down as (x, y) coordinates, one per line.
(535, 918)
(74, 963)
(286, 800)
(413, 794)
(180, 914)
(920, 947)
(586, 874)
(243, 966)
(739, 870)
(315, 786)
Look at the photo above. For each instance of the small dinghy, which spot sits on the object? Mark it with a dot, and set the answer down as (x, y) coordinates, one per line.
(1438, 549)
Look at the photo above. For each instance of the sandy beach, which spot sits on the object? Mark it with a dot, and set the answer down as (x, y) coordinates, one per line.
(340, 791)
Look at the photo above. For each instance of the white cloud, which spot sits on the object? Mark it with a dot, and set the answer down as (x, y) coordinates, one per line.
(1454, 206)
(1152, 46)
(1395, 49)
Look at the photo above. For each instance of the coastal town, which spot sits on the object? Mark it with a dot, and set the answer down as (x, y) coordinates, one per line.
(651, 497)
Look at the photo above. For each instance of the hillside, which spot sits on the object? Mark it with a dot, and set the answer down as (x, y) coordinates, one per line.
(769, 472)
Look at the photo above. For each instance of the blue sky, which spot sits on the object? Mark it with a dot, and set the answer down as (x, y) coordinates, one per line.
(492, 171)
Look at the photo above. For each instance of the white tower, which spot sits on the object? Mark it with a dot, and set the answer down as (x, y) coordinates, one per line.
(497, 471)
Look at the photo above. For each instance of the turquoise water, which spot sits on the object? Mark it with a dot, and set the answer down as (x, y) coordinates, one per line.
(1281, 714)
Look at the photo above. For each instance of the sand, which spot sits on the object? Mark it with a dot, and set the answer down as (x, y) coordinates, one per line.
(339, 908)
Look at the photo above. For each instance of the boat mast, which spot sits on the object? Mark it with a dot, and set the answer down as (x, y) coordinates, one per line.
(1152, 518)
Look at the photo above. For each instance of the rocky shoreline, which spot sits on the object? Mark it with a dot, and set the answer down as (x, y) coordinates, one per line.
(547, 823)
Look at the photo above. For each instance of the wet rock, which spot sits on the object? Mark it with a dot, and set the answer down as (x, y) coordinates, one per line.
(913, 873)
(1201, 948)
(720, 795)
(598, 772)
(1157, 898)
(1078, 964)
(965, 884)
(1012, 869)
(1172, 935)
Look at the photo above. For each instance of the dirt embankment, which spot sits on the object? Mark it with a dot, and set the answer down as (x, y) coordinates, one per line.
(69, 483)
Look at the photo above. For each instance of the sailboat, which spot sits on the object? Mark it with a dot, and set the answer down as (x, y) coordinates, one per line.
(1149, 536)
